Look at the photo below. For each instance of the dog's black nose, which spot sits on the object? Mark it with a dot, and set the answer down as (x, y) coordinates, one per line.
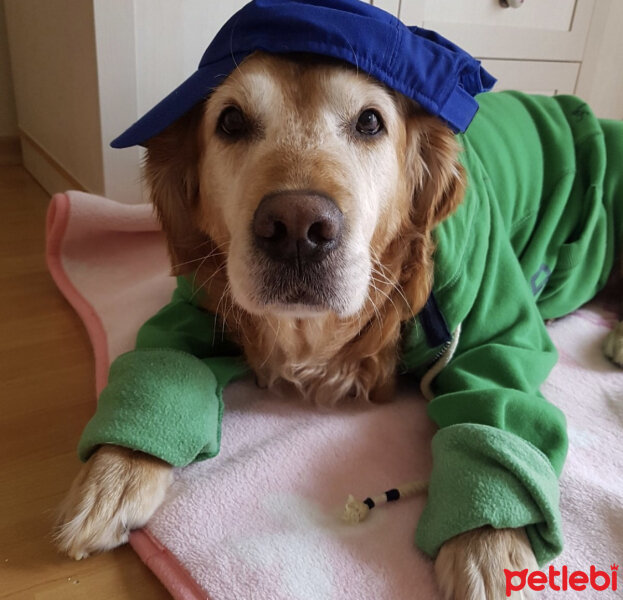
(300, 226)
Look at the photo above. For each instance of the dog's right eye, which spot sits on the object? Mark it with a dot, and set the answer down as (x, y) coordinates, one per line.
(369, 122)
(232, 123)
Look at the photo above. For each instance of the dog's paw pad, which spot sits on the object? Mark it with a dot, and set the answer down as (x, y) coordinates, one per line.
(613, 345)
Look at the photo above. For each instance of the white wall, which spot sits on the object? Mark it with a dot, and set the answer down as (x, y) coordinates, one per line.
(8, 115)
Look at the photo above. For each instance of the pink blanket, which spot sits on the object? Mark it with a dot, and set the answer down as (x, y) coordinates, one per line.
(261, 520)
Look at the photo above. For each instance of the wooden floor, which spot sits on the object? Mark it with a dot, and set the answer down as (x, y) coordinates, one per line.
(46, 397)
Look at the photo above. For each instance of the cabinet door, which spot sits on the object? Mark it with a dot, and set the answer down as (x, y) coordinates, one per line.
(538, 30)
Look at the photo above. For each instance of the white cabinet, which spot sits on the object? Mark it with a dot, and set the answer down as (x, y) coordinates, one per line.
(85, 69)
(544, 46)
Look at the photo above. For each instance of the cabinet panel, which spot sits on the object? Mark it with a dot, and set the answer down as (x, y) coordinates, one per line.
(534, 77)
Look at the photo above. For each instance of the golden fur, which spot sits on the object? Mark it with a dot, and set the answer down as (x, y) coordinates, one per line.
(392, 191)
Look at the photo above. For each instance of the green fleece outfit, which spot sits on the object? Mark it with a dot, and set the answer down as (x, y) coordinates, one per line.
(535, 238)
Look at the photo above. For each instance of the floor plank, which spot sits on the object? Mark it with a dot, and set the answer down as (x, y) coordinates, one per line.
(46, 397)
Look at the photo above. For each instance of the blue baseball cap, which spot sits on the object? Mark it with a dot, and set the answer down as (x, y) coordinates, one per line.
(419, 63)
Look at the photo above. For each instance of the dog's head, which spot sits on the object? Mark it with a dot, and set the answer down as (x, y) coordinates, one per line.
(301, 180)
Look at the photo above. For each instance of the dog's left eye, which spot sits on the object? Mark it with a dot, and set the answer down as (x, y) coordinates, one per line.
(369, 122)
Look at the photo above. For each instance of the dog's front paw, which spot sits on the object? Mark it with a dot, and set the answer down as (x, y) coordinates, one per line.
(613, 345)
(116, 490)
(471, 566)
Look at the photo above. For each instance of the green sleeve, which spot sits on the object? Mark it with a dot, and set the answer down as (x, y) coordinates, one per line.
(501, 446)
(165, 397)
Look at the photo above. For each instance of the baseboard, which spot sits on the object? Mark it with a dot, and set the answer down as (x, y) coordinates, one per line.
(45, 169)
(10, 150)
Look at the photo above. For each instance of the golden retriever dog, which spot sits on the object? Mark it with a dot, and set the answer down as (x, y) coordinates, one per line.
(287, 145)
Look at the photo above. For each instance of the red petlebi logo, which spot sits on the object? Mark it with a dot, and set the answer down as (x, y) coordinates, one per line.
(562, 580)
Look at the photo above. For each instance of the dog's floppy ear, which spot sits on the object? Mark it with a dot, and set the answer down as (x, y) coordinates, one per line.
(171, 171)
(437, 176)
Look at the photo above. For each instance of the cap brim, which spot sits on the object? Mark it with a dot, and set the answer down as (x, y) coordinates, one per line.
(196, 88)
